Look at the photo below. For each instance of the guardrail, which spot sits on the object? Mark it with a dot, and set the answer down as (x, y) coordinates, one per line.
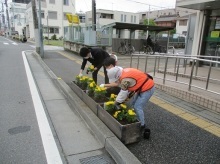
(184, 66)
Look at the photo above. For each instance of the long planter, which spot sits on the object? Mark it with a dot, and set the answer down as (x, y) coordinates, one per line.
(90, 103)
(128, 133)
(76, 89)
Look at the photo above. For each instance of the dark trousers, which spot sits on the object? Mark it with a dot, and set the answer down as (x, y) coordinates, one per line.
(95, 73)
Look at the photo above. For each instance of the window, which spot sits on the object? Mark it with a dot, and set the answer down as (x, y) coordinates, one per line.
(66, 2)
(134, 19)
(183, 22)
(121, 17)
(125, 18)
(52, 14)
(42, 14)
(52, 30)
(131, 18)
(52, 1)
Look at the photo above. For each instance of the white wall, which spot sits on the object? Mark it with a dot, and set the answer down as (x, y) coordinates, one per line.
(116, 18)
(60, 22)
(179, 28)
(17, 16)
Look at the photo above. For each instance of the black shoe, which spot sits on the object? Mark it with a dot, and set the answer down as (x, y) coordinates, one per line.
(146, 133)
(142, 128)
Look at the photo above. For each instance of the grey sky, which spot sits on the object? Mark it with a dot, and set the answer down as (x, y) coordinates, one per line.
(125, 5)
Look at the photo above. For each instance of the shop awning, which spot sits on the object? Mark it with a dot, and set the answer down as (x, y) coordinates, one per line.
(130, 26)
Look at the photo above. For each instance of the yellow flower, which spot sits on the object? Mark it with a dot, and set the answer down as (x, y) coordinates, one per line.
(116, 114)
(112, 96)
(102, 88)
(131, 112)
(109, 103)
(91, 67)
(91, 85)
(123, 106)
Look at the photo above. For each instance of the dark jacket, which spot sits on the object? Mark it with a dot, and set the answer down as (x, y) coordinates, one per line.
(98, 57)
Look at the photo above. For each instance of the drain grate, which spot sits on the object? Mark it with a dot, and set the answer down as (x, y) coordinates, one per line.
(98, 159)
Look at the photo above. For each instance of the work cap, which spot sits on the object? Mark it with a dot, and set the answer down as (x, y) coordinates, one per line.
(114, 74)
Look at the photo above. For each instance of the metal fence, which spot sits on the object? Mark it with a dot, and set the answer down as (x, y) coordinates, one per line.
(184, 69)
(87, 35)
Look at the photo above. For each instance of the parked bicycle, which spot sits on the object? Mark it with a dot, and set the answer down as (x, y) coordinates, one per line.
(124, 49)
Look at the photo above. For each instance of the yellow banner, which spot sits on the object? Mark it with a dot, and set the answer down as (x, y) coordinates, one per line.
(72, 18)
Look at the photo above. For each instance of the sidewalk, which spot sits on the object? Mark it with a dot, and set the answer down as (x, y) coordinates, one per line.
(79, 134)
(197, 96)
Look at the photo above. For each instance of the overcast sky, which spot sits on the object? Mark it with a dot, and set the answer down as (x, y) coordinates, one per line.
(125, 5)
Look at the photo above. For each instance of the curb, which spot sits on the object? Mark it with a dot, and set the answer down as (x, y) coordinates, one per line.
(118, 151)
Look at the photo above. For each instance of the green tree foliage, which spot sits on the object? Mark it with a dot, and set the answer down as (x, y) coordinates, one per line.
(151, 22)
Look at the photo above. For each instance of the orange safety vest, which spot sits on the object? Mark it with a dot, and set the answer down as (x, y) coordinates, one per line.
(139, 78)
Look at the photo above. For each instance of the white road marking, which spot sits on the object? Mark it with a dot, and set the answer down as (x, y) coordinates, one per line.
(50, 147)
(14, 43)
(5, 43)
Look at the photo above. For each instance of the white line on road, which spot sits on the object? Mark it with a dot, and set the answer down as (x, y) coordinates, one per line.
(50, 147)
(5, 43)
(14, 43)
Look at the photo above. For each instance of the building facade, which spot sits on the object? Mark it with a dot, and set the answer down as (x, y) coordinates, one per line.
(53, 17)
(104, 17)
(206, 38)
(17, 17)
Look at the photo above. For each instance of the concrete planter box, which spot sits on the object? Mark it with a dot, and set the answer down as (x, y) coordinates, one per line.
(90, 102)
(128, 133)
(76, 89)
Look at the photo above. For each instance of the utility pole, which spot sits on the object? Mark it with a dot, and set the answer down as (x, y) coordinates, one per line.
(93, 15)
(36, 31)
(40, 30)
(9, 27)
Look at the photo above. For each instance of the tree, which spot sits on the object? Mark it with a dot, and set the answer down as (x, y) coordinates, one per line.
(151, 22)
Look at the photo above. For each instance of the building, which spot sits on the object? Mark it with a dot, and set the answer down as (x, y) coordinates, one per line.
(53, 14)
(104, 17)
(17, 17)
(204, 28)
(176, 17)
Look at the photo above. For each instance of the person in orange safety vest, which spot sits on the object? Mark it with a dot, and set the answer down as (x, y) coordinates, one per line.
(130, 80)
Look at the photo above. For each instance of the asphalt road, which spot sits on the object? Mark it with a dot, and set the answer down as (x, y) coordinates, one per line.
(173, 140)
(20, 140)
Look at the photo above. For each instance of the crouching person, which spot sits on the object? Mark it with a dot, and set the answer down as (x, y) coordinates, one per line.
(131, 80)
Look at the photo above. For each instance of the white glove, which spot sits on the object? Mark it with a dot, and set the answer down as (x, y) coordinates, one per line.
(102, 85)
(80, 74)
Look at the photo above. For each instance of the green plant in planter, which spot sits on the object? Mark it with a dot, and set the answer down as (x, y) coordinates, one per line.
(91, 87)
(112, 97)
(77, 80)
(125, 115)
(83, 82)
(131, 115)
(99, 94)
(109, 106)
